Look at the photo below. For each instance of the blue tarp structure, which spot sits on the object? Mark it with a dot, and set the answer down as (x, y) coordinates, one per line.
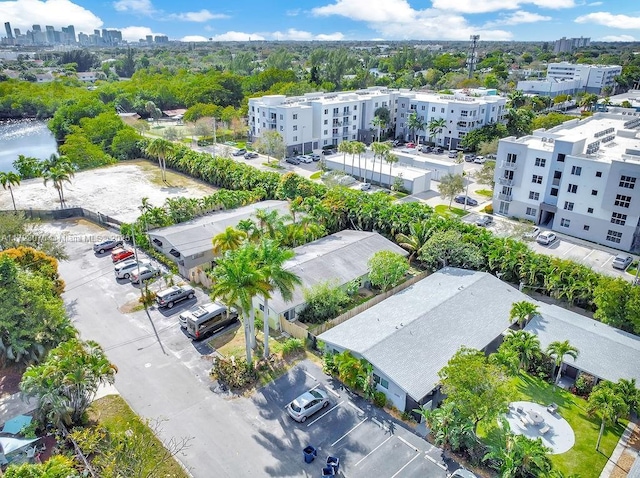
(10, 445)
(16, 424)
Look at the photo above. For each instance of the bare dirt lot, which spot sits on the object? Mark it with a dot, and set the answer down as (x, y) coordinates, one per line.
(114, 190)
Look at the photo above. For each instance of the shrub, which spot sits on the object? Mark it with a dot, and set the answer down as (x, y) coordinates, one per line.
(259, 323)
(235, 373)
(291, 346)
(379, 399)
(329, 365)
(488, 209)
(324, 301)
(584, 385)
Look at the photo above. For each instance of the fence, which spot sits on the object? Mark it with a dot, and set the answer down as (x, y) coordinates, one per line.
(301, 331)
(69, 213)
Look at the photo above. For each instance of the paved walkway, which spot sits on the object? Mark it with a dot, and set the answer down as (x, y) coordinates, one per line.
(14, 405)
(622, 445)
(559, 437)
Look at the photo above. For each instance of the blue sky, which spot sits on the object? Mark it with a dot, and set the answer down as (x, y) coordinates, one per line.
(199, 20)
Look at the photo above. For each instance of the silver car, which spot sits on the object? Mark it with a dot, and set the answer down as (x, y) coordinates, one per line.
(144, 274)
(307, 404)
(124, 269)
(622, 261)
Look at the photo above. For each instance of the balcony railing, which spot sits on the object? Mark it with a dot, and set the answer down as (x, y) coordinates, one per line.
(509, 165)
(505, 197)
(556, 182)
(505, 181)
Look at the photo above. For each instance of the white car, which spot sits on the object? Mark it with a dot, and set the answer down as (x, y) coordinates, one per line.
(532, 233)
(546, 238)
(479, 160)
(305, 159)
(145, 273)
(124, 269)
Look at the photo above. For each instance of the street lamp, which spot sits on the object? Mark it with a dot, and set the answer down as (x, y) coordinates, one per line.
(302, 138)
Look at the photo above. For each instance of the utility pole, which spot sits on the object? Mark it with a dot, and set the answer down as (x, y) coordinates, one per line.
(472, 55)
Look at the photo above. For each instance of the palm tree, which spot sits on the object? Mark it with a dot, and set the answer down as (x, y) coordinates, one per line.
(357, 147)
(270, 261)
(228, 240)
(523, 311)
(270, 223)
(629, 392)
(391, 159)
(58, 174)
(436, 125)
(516, 99)
(379, 123)
(558, 350)
(160, 149)
(419, 234)
(415, 124)
(525, 344)
(344, 148)
(379, 150)
(605, 401)
(9, 179)
(588, 101)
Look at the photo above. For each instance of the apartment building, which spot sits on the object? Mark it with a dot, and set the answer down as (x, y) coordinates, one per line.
(568, 45)
(581, 178)
(316, 120)
(593, 78)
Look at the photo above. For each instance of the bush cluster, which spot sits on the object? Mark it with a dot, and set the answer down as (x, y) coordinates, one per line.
(233, 372)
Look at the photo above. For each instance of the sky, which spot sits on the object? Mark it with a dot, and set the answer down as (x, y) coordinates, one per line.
(327, 20)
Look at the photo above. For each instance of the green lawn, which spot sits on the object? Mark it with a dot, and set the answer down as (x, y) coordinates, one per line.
(316, 175)
(444, 210)
(582, 459)
(485, 192)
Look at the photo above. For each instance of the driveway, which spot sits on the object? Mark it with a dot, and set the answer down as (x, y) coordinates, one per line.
(164, 376)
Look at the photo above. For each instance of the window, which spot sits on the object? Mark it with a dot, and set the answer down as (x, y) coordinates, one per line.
(381, 381)
(281, 117)
(540, 162)
(531, 211)
(619, 219)
(576, 170)
(441, 110)
(295, 116)
(295, 127)
(628, 182)
(536, 179)
(511, 158)
(534, 195)
(590, 210)
(281, 128)
(568, 206)
(326, 121)
(326, 132)
(433, 109)
(598, 174)
(422, 107)
(295, 138)
(614, 236)
(573, 188)
(565, 222)
(622, 201)
(355, 108)
(585, 227)
(561, 157)
(554, 191)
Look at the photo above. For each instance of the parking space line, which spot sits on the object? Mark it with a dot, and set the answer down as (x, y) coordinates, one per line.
(336, 394)
(587, 256)
(353, 405)
(605, 262)
(333, 444)
(380, 424)
(367, 455)
(407, 443)
(328, 411)
(433, 460)
(405, 465)
(315, 386)
(569, 250)
(309, 375)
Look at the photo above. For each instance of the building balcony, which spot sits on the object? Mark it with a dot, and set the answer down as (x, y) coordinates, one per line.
(556, 182)
(505, 197)
(505, 181)
(511, 165)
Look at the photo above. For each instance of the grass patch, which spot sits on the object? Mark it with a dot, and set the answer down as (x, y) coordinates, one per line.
(113, 413)
(316, 175)
(485, 192)
(398, 194)
(444, 210)
(582, 459)
(273, 165)
(633, 268)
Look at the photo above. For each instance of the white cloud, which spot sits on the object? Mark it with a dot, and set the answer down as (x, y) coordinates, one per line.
(199, 17)
(237, 36)
(337, 36)
(293, 13)
(484, 6)
(594, 4)
(300, 35)
(194, 38)
(59, 13)
(368, 10)
(134, 6)
(134, 33)
(610, 20)
(518, 18)
(625, 38)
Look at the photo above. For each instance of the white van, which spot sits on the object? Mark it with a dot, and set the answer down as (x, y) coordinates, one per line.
(206, 319)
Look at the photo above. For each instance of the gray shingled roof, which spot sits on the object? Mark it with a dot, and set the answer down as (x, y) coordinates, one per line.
(193, 237)
(603, 351)
(410, 336)
(340, 257)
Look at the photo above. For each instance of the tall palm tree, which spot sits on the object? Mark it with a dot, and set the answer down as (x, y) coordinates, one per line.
(270, 261)
(522, 311)
(558, 350)
(160, 149)
(415, 124)
(606, 402)
(390, 159)
(59, 174)
(270, 223)
(228, 240)
(379, 123)
(436, 125)
(344, 148)
(525, 344)
(379, 150)
(8, 180)
(516, 99)
(419, 234)
(357, 147)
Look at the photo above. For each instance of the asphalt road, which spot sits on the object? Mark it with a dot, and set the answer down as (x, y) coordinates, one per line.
(164, 376)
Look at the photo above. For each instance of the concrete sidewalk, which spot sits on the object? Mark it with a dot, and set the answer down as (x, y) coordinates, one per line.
(622, 445)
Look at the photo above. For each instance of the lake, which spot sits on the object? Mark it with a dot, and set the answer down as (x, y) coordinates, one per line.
(29, 138)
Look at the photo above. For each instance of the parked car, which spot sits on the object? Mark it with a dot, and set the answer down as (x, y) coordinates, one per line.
(145, 273)
(484, 221)
(479, 160)
(240, 152)
(461, 199)
(292, 161)
(305, 159)
(453, 154)
(411, 144)
(426, 149)
(546, 238)
(462, 473)
(532, 233)
(169, 297)
(346, 180)
(315, 157)
(204, 320)
(622, 261)
(365, 186)
(469, 158)
(438, 150)
(101, 247)
(328, 152)
(250, 155)
(307, 404)
(120, 254)
(123, 269)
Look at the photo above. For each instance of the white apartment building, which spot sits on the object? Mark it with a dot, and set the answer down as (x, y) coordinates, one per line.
(581, 178)
(316, 120)
(593, 78)
(463, 111)
(551, 87)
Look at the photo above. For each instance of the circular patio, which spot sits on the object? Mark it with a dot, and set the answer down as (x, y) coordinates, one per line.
(538, 421)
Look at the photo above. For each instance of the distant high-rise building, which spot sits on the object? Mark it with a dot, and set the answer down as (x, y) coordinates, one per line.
(51, 34)
(83, 39)
(149, 39)
(568, 45)
(7, 27)
(36, 28)
(161, 39)
(70, 31)
(16, 32)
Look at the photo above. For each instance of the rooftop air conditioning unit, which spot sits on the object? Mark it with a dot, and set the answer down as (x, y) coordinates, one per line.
(544, 140)
(550, 140)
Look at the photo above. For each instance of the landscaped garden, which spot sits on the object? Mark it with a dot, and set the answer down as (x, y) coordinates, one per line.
(447, 211)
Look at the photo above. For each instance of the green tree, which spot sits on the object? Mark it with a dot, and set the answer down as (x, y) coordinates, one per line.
(27, 167)
(525, 344)
(451, 185)
(519, 121)
(8, 180)
(323, 301)
(448, 427)
(66, 383)
(59, 174)
(228, 240)
(387, 269)
(558, 350)
(608, 404)
(345, 148)
(271, 144)
(447, 248)
(415, 124)
(391, 159)
(414, 241)
(610, 297)
(436, 125)
(479, 388)
(16, 230)
(378, 123)
(160, 149)
(57, 466)
(522, 311)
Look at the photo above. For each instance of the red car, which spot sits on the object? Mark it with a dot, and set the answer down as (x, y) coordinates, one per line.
(121, 254)
(410, 145)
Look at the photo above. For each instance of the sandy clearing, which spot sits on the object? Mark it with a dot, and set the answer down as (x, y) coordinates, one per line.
(114, 190)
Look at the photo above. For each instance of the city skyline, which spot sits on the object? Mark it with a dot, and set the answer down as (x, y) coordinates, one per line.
(327, 20)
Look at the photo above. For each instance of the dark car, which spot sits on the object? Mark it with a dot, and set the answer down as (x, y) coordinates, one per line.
(484, 221)
(293, 161)
(250, 155)
(107, 245)
(461, 198)
(315, 157)
(426, 149)
(240, 152)
(328, 152)
(469, 158)
(172, 295)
